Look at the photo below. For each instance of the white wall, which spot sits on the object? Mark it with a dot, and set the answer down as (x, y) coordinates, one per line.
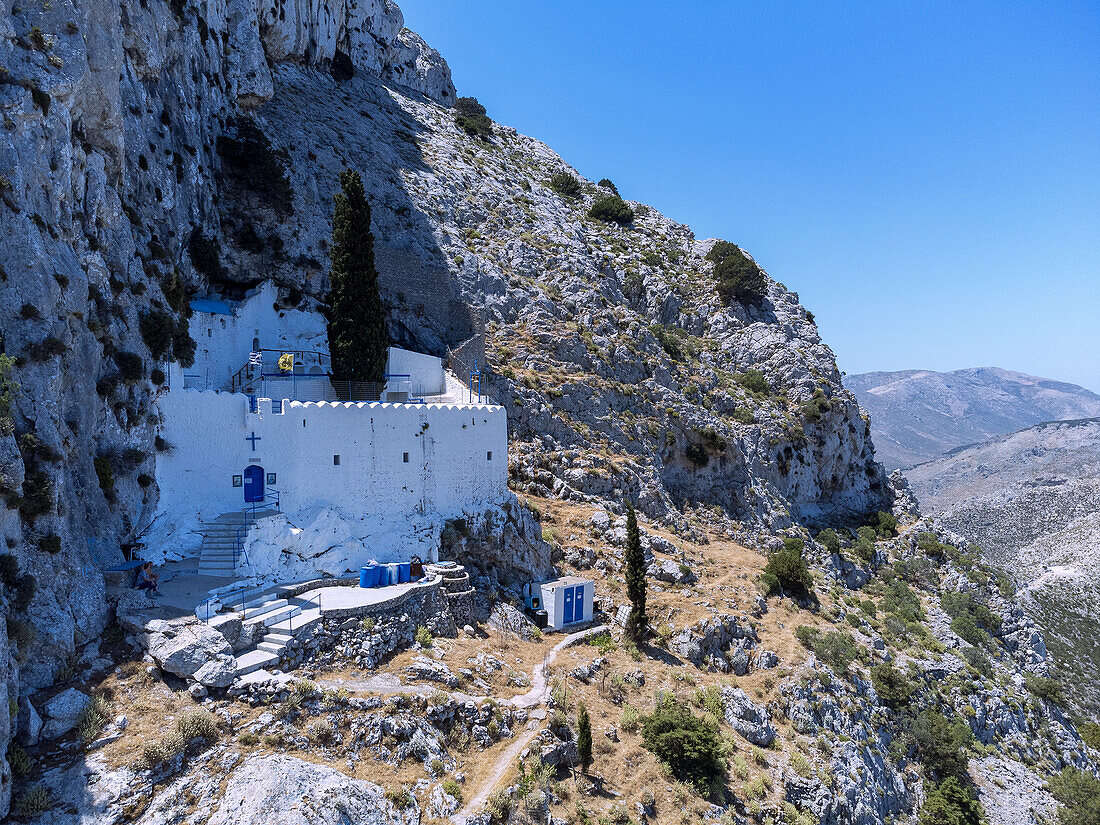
(448, 472)
(425, 371)
(223, 342)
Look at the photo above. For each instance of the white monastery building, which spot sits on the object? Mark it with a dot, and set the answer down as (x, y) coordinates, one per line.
(259, 434)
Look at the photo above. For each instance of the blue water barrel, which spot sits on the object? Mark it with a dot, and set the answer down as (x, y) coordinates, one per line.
(365, 575)
(404, 572)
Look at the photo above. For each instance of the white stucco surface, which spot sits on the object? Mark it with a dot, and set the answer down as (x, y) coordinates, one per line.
(223, 341)
(402, 470)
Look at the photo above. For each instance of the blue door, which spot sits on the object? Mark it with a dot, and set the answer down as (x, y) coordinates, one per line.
(578, 603)
(568, 617)
(253, 483)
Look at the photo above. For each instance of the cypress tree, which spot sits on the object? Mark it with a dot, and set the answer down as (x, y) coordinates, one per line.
(635, 578)
(357, 338)
(584, 738)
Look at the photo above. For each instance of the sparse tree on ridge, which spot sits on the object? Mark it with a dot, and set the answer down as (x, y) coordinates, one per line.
(584, 738)
(636, 622)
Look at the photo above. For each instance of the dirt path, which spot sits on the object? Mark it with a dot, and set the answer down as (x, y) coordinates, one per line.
(535, 696)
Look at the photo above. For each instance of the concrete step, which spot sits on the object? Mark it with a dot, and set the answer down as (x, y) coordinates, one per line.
(278, 638)
(265, 606)
(254, 660)
(222, 571)
(275, 616)
(301, 620)
(271, 647)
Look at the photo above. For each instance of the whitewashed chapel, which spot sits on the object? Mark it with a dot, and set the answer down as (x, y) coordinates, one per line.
(257, 433)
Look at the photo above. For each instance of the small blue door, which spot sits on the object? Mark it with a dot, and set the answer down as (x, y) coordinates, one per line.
(568, 596)
(253, 483)
(578, 603)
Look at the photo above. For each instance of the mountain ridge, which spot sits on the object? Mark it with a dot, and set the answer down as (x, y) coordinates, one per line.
(918, 415)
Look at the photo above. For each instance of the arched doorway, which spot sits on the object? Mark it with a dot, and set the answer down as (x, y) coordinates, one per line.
(253, 483)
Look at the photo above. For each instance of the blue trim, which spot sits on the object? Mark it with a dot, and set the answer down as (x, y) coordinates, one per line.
(212, 306)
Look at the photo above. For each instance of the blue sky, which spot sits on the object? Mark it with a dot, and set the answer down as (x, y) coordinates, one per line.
(926, 176)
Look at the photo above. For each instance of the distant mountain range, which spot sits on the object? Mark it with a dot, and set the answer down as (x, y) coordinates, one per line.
(919, 415)
(1031, 501)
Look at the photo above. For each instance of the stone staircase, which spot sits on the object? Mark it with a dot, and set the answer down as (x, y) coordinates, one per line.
(281, 614)
(222, 540)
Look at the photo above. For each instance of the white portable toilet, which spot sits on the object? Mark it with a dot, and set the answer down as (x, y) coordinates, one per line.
(567, 601)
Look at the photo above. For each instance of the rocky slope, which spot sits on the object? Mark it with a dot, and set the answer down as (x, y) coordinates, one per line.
(1031, 501)
(918, 415)
(153, 151)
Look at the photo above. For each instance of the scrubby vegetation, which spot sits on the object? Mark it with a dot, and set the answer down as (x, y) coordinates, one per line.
(470, 117)
(612, 209)
(837, 648)
(566, 185)
(246, 150)
(688, 744)
(787, 571)
(738, 277)
(1079, 793)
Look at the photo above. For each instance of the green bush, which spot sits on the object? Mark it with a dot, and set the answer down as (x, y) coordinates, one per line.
(836, 648)
(9, 570)
(687, 744)
(157, 327)
(941, 743)
(755, 382)
(605, 183)
(951, 803)
(33, 801)
(197, 723)
(19, 760)
(967, 629)
(932, 547)
(38, 495)
(452, 788)
(815, 407)
(205, 254)
(786, 570)
(50, 543)
(1079, 792)
(884, 524)
(864, 547)
(105, 471)
(612, 209)
(977, 660)
(130, 366)
(1090, 733)
(29, 311)
(565, 184)
(738, 277)
(470, 117)
(891, 685)
(424, 636)
(829, 540)
(1045, 688)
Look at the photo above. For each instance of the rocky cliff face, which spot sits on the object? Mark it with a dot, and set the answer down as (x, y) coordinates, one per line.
(154, 150)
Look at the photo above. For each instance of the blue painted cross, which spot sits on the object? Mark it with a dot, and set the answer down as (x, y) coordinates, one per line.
(253, 438)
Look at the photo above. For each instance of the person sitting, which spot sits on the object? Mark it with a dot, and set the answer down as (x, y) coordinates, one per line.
(147, 579)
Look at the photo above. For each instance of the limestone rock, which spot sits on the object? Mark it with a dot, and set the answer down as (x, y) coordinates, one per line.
(29, 723)
(283, 790)
(63, 711)
(746, 717)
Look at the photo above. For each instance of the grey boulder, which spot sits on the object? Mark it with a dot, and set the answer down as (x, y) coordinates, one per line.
(747, 718)
(63, 711)
(283, 790)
